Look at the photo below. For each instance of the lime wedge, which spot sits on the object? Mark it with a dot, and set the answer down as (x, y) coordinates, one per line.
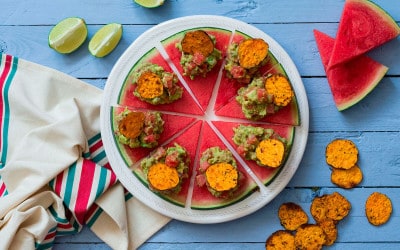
(149, 3)
(105, 39)
(68, 35)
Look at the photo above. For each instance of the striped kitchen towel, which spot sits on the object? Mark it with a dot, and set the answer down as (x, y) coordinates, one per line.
(54, 174)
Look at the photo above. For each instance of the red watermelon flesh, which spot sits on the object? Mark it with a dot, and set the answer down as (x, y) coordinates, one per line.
(190, 143)
(363, 26)
(228, 87)
(264, 174)
(201, 197)
(172, 126)
(350, 82)
(202, 87)
(184, 105)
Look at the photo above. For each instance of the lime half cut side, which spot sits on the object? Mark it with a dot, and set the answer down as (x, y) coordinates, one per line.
(149, 3)
(105, 39)
(68, 35)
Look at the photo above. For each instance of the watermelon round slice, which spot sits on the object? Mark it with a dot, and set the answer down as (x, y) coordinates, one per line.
(264, 174)
(363, 26)
(201, 197)
(202, 87)
(190, 143)
(349, 82)
(173, 125)
(185, 105)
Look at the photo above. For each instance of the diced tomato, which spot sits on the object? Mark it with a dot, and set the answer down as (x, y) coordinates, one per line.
(150, 138)
(237, 71)
(198, 58)
(159, 153)
(201, 180)
(240, 150)
(203, 166)
(172, 160)
(252, 139)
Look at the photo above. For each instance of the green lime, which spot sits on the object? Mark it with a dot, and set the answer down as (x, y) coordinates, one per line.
(105, 39)
(67, 35)
(149, 3)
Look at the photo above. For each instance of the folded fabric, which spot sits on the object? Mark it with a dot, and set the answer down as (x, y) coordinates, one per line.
(54, 174)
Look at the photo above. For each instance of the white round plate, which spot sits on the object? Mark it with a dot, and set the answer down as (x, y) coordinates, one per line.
(135, 51)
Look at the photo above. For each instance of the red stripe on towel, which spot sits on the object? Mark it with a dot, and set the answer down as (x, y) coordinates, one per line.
(85, 187)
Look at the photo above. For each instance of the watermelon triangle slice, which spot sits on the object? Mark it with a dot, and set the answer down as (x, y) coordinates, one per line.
(172, 126)
(201, 197)
(190, 143)
(264, 174)
(363, 26)
(185, 105)
(228, 87)
(349, 82)
(202, 87)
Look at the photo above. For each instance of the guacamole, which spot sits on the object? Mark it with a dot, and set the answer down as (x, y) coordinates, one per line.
(147, 130)
(175, 159)
(224, 175)
(247, 138)
(197, 64)
(155, 85)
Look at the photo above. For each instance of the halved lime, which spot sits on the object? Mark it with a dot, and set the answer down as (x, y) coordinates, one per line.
(68, 35)
(105, 39)
(149, 3)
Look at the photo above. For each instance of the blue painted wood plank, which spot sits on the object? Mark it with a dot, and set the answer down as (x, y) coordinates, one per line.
(31, 43)
(101, 11)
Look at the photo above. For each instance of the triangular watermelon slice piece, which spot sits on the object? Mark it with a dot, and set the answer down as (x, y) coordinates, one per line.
(350, 82)
(172, 126)
(185, 105)
(202, 87)
(201, 197)
(190, 143)
(265, 174)
(288, 115)
(228, 87)
(363, 26)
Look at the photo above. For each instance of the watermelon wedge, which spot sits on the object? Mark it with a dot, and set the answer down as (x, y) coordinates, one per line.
(172, 126)
(201, 197)
(351, 81)
(190, 143)
(202, 87)
(363, 26)
(264, 174)
(228, 87)
(184, 105)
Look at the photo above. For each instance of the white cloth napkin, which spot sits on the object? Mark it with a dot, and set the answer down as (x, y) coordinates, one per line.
(54, 174)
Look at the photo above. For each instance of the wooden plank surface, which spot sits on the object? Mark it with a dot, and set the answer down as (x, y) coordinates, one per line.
(373, 124)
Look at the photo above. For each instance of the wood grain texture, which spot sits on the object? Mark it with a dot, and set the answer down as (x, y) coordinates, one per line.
(373, 124)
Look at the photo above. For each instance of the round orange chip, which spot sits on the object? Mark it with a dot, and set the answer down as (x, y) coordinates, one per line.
(252, 52)
(341, 153)
(149, 85)
(162, 177)
(279, 87)
(131, 125)
(309, 236)
(347, 178)
(292, 216)
(222, 177)
(280, 240)
(270, 152)
(378, 208)
(197, 41)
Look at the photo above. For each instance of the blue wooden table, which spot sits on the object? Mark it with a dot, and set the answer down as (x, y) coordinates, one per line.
(373, 124)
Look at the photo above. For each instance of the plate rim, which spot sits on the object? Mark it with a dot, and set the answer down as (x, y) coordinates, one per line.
(237, 210)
